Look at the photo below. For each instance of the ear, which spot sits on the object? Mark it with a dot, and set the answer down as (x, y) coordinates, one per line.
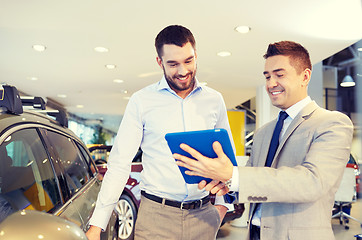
(307, 73)
(159, 61)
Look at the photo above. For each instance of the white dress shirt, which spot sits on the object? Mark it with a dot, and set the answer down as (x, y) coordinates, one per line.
(151, 113)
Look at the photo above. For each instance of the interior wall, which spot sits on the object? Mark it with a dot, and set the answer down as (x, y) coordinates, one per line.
(315, 87)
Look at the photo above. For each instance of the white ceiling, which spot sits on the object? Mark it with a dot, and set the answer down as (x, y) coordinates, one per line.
(72, 29)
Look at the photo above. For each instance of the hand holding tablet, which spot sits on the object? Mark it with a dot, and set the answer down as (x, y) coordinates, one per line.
(202, 141)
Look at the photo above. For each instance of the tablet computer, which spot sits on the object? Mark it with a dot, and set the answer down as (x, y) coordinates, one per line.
(201, 141)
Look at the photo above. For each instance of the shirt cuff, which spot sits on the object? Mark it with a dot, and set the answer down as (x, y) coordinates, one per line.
(219, 200)
(235, 180)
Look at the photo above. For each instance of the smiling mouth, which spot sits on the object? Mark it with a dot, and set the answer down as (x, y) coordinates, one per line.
(182, 79)
(276, 92)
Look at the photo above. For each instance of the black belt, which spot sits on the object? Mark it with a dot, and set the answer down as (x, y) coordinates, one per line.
(182, 205)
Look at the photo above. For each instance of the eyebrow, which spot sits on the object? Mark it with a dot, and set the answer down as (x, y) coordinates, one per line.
(274, 71)
(187, 59)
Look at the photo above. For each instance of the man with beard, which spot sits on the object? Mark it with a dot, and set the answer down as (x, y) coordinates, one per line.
(170, 208)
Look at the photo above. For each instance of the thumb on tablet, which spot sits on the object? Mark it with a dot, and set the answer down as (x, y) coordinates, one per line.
(218, 149)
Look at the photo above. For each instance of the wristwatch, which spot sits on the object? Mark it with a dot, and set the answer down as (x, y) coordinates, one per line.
(228, 183)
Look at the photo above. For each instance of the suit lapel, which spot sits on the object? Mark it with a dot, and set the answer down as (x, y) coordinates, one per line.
(266, 143)
(302, 116)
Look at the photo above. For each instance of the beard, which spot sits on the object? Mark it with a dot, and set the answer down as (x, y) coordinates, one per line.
(176, 86)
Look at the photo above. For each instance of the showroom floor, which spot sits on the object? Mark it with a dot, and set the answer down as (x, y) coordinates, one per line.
(230, 232)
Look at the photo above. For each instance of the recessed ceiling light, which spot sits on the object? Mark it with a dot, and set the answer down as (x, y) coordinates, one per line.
(101, 49)
(80, 106)
(242, 29)
(32, 78)
(149, 74)
(224, 54)
(118, 81)
(39, 48)
(125, 91)
(62, 95)
(110, 66)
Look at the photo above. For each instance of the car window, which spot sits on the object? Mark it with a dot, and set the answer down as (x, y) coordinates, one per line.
(76, 170)
(88, 160)
(27, 179)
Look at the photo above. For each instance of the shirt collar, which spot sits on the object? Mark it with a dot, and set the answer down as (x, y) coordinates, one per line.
(296, 108)
(163, 85)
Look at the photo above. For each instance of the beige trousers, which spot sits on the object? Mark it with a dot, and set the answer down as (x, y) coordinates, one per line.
(157, 221)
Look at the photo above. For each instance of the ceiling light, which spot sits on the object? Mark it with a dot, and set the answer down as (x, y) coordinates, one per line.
(80, 106)
(143, 75)
(62, 95)
(348, 81)
(101, 49)
(32, 78)
(242, 29)
(110, 66)
(125, 91)
(39, 48)
(126, 98)
(224, 54)
(118, 81)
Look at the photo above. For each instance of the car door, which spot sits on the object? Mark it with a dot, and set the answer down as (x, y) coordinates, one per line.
(80, 178)
(27, 179)
(82, 187)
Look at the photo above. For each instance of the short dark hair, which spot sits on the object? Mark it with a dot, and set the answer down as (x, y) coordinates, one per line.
(173, 34)
(296, 52)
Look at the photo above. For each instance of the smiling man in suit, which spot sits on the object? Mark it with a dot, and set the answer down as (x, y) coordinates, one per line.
(297, 160)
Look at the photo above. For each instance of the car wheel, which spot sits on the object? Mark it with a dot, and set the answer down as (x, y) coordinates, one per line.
(126, 218)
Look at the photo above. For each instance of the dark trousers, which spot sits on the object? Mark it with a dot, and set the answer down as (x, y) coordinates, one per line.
(254, 232)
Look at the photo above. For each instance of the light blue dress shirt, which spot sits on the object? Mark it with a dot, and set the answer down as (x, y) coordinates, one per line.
(151, 113)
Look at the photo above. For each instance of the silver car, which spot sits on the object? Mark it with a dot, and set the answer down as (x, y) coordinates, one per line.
(44, 166)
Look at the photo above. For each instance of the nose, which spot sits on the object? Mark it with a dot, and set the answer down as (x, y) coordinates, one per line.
(271, 82)
(182, 70)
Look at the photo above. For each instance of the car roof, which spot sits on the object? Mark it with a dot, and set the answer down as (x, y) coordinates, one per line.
(14, 111)
(8, 120)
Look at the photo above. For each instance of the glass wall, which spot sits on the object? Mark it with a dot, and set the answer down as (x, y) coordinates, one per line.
(342, 82)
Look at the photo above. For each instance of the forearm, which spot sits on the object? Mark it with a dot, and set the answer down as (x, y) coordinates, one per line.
(222, 211)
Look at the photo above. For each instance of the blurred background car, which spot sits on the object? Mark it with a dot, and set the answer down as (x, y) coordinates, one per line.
(127, 207)
(352, 163)
(129, 201)
(43, 165)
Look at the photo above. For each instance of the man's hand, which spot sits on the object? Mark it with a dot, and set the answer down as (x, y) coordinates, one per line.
(219, 168)
(215, 187)
(94, 233)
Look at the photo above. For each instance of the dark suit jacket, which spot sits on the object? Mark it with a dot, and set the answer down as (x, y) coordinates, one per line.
(297, 191)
